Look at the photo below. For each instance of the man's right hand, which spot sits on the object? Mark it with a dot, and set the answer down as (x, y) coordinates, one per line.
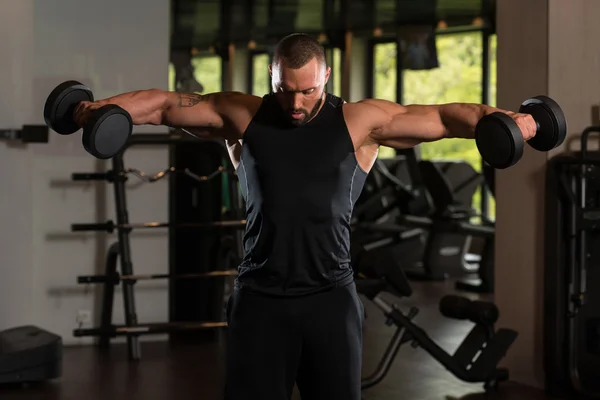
(84, 110)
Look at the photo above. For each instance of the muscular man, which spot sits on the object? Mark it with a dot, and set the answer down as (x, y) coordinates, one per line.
(302, 156)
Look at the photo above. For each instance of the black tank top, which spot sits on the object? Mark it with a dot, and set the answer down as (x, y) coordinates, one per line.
(300, 184)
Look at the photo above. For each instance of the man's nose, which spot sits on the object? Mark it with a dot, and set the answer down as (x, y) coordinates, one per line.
(297, 101)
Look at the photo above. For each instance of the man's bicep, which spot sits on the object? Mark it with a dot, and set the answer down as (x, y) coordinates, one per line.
(407, 126)
(381, 114)
(193, 111)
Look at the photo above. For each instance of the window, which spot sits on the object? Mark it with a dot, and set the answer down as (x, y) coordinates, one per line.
(171, 77)
(458, 79)
(384, 80)
(493, 46)
(207, 71)
(260, 74)
(493, 64)
(336, 72)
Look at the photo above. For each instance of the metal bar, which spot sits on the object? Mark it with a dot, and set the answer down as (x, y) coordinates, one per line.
(370, 70)
(171, 170)
(424, 341)
(133, 331)
(485, 99)
(133, 343)
(93, 176)
(386, 362)
(108, 294)
(174, 137)
(398, 339)
(399, 57)
(110, 226)
(115, 278)
(426, 223)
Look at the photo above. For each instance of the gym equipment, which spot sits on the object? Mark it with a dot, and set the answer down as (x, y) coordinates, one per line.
(500, 141)
(486, 272)
(479, 312)
(109, 176)
(476, 359)
(196, 282)
(109, 226)
(463, 181)
(138, 329)
(434, 247)
(198, 202)
(489, 175)
(451, 228)
(105, 132)
(29, 354)
(402, 248)
(572, 256)
(390, 188)
(118, 278)
(393, 188)
(27, 134)
(449, 234)
(446, 251)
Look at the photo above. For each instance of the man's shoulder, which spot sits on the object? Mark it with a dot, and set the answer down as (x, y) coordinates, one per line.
(249, 102)
(239, 109)
(360, 108)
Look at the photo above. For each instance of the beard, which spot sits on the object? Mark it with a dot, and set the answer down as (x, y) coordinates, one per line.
(308, 115)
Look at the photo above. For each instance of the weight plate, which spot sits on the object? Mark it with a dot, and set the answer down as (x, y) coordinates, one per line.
(107, 131)
(61, 103)
(499, 140)
(552, 124)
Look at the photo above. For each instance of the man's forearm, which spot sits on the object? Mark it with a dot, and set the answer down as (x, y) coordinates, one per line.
(460, 119)
(146, 107)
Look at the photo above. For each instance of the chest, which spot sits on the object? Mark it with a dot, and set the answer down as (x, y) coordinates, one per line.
(300, 151)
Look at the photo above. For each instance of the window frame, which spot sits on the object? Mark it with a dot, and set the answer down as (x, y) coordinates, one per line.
(486, 33)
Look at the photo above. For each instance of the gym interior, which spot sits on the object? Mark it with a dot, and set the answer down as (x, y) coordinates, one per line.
(477, 282)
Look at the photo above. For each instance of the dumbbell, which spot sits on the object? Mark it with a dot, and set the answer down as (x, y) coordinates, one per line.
(105, 132)
(500, 140)
(479, 312)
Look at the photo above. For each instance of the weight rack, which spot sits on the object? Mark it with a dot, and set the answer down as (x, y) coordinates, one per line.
(571, 273)
(121, 250)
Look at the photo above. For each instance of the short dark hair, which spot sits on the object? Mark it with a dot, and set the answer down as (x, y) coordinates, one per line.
(297, 49)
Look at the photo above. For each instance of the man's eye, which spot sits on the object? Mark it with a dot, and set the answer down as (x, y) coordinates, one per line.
(309, 91)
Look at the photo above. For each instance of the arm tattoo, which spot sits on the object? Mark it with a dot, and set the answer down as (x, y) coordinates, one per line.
(193, 99)
(190, 99)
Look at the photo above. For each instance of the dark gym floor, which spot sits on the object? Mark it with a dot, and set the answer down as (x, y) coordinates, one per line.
(194, 373)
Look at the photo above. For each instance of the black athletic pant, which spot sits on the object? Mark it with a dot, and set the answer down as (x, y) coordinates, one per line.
(315, 341)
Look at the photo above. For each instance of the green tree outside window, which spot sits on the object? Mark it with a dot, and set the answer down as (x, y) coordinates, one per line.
(458, 79)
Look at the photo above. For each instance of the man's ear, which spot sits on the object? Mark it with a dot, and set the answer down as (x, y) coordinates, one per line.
(327, 73)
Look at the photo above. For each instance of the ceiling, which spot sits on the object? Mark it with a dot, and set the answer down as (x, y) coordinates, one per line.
(204, 24)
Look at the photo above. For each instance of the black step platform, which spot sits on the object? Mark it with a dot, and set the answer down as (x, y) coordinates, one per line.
(29, 354)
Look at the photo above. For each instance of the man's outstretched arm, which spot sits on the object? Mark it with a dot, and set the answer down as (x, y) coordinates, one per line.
(400, 126)
(194, 112)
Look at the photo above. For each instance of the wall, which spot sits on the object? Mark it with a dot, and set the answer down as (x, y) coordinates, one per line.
(544, 47)
(48, 43)
(353, 68)
(16, 72)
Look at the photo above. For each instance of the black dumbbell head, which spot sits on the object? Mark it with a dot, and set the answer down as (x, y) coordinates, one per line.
(552, 124)
(455, 307)
(106, 132)
(61, 103)
(499, 140)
